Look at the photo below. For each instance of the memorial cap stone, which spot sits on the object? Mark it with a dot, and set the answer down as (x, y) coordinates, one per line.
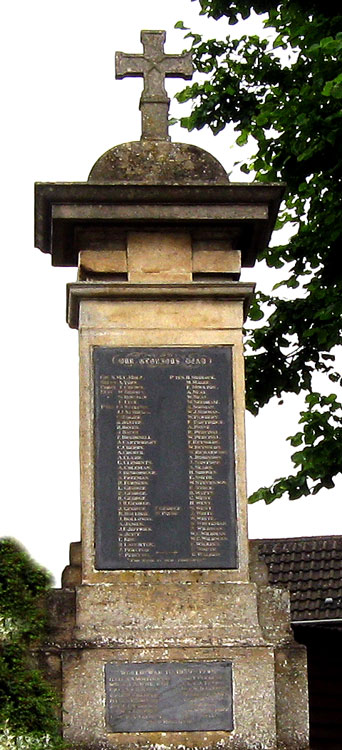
(123, 187)
(154, 159)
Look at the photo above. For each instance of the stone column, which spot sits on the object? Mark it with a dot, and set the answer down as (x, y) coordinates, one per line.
(175, 643)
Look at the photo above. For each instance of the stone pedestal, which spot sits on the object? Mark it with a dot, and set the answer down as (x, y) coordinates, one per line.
(158, 618)
(159, 236)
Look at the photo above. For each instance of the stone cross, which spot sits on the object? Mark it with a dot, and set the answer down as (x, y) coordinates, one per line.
(154, 66)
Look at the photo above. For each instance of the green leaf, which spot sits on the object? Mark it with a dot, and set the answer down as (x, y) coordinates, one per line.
(242, 139)
(297, 439)
(336, 92)
(279, 41)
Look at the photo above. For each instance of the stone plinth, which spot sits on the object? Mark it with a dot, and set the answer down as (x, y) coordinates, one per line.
(148, 619)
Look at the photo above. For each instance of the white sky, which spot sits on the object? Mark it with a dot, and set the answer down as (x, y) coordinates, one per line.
(61, 109)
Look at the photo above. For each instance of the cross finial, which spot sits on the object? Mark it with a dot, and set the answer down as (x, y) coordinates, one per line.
(154, 66)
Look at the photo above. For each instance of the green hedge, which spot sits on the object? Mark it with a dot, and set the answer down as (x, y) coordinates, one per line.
(28, 718)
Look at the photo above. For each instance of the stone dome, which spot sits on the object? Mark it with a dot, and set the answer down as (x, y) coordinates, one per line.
(157, 163)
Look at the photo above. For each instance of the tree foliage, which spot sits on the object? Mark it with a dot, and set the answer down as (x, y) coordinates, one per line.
(283, 88)
(27, 704)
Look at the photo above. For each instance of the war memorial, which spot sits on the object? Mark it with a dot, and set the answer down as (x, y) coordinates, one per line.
(165, 633)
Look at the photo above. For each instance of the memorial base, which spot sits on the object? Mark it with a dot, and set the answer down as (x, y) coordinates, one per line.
(149, 662)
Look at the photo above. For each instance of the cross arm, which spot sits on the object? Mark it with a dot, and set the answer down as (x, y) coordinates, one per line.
(178, 66)
(128, 65)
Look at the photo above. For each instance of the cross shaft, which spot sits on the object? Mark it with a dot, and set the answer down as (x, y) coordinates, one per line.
(154, 66)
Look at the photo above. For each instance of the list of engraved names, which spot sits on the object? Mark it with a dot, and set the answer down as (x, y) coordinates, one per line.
(134, 470)
(165, 491)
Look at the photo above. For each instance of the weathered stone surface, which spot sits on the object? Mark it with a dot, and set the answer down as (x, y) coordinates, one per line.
(67, 212)
(103, 261)
(159, 257)
(274, 613)
(49, 662)
(101, 238)
(179, 308)
(194, 299)
(269, 681)
(258, 570)
(254, 717)
(292, 698)
(157, 163)
(71, 576)
(60, 607)
(146, 615)
(148, 257)
(75, 553)
(154, 65)
(217, 261)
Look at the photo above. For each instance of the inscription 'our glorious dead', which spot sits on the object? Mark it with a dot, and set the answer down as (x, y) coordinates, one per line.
(165, 490)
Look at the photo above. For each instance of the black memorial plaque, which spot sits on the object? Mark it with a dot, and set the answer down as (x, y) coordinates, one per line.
(169, 697)
(164, 458)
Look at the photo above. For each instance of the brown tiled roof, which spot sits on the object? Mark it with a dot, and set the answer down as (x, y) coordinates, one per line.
(311, 568)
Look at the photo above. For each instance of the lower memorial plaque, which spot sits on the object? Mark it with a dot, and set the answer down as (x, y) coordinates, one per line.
(172, 697)
(164, 458)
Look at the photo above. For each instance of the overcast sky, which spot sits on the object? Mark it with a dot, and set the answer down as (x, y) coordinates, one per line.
(61, 109)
